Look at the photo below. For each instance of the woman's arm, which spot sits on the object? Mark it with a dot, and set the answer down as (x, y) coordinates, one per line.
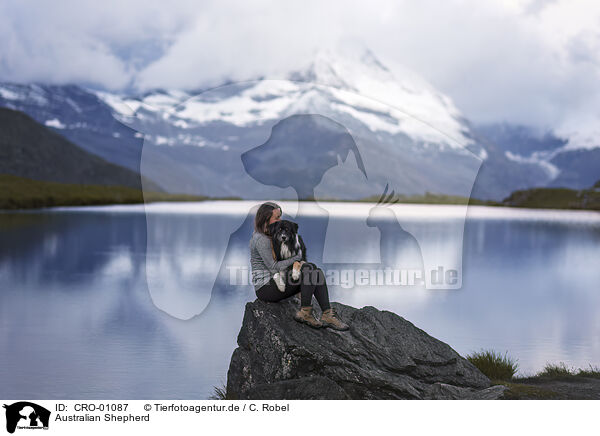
(263, 246)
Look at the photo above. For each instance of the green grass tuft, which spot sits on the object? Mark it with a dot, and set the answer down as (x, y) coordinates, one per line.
(561, 370)
(219, 393)
(592, 372)
(494, 365)
(556, 370)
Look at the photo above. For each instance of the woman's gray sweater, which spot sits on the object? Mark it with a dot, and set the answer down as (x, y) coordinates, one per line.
(262, 262)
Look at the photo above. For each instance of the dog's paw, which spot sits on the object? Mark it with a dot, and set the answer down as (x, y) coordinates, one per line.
(278, 279)
(295, 274)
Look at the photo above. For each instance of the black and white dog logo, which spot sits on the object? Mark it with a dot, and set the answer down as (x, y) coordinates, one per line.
(26, 415)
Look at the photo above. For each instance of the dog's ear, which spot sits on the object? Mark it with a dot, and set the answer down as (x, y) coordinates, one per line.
(295, 227)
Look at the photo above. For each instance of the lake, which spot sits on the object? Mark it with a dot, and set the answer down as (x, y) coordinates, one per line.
(120, 301)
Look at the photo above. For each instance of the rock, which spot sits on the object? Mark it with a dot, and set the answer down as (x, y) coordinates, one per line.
(442, 391)
(382, 356)
(305, 388)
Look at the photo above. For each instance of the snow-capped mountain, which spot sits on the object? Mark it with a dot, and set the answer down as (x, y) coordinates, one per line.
(565, 160)
(408, 134)
(419, 144)
(80, 116)
(362, 88)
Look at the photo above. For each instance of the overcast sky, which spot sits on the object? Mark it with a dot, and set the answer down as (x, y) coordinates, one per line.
(532, 62)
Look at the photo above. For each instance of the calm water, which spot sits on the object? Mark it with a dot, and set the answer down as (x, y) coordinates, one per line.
(104, 302)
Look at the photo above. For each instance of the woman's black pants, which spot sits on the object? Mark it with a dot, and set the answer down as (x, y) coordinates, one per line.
(311, 282)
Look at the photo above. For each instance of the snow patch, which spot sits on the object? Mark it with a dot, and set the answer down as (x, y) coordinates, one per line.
(163, 140)
(182, 124)
(536, 159)
(122, 106)
(7, 94)
(55, 123)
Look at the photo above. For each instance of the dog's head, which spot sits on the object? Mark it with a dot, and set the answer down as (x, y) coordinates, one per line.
(299, 151)
(283, 230)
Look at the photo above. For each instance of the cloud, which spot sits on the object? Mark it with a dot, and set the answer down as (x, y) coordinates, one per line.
(84, 42)
(522, 61)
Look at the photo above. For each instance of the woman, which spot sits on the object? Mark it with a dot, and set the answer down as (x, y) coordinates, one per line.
(264, 266)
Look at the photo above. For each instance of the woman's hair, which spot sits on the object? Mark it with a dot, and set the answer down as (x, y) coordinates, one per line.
(263, 215)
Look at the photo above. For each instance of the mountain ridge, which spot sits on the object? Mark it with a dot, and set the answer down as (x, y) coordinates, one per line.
(189, 142)
(30, 150)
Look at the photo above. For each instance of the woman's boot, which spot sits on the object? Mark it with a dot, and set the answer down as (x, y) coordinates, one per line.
(306, 316)
(330, 319)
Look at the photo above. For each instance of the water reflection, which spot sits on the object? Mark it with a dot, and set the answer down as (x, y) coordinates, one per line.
(79, 320)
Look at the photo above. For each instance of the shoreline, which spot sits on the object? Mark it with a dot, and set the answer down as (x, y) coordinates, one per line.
(19, 194)
(557, 387)
(339, 209)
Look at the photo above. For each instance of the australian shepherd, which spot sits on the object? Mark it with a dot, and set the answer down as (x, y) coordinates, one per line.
(286, 243)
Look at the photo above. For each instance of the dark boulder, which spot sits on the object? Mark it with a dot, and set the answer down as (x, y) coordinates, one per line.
(382, 356)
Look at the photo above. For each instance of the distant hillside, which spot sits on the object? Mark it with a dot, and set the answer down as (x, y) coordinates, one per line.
(29, 149)
(20, 193)
(556, 198)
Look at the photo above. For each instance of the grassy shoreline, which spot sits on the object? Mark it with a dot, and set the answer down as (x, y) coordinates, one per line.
(554, 381)
(18, 193)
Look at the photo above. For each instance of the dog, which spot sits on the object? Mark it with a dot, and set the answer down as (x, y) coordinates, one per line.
(286, 243)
